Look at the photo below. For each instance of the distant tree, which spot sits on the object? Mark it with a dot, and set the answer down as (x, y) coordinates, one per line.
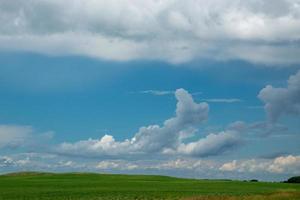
(254, 180)
(295, 179)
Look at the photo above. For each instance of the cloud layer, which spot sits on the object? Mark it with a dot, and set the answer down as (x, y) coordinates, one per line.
(279, 168)
(172, 30)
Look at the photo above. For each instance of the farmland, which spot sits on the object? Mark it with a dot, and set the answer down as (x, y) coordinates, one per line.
(88, 186)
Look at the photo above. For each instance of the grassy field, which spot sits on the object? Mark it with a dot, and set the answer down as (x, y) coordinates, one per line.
(72, 186)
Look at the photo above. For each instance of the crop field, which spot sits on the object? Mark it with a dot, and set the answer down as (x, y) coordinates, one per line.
(76, 186)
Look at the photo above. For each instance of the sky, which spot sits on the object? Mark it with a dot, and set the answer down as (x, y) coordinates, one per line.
(192, 89)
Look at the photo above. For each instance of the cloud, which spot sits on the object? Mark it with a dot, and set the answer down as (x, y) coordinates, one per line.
(188, 115)
(258, 128)
(11, 162)
(285, 163)
(213, 144)
(170, 30)
(279, 168)
(157, 92)
(230, 166)
(282, 101)
(281, 165)
(92, 147)
(116, 164)
(39, 162)
(278, 102)
(149, 139)
(220, 100)
(266, 128)
(238, 126)
(14, 136)
(164, 92)
(166, 139)
(6, 161)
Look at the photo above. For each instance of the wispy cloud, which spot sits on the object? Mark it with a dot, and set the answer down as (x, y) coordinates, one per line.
(158, 92)
(223, 100)
(164, 92)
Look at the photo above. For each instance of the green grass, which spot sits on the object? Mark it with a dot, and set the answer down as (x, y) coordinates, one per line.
(84, 186)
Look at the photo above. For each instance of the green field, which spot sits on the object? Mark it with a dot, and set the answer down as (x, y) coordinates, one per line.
(75, 186)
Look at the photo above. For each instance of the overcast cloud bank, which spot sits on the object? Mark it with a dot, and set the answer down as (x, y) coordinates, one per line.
(266, 32)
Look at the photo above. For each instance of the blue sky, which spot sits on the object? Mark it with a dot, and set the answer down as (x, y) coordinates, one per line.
(177, 99)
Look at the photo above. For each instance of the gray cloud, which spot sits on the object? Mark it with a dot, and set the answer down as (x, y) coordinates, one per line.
(166, 139)
(282, 101)
(13, 136)
(171, 30)
(16, 136)
(259, 128)
(213, 144)
(278, 101)
(150, 139)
